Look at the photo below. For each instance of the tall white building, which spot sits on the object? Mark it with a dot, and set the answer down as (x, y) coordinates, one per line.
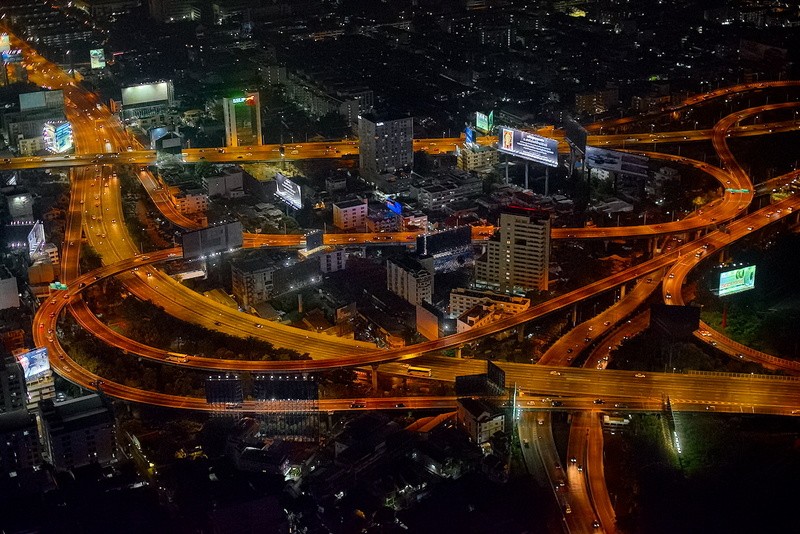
(385, 145)
(407, 278)
(242, 116)
(517, 257)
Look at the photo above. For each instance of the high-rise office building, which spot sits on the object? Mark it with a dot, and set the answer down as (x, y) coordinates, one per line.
(242, 120)
(517, 257)
(13, 395)
(80, 432)
(385, 145)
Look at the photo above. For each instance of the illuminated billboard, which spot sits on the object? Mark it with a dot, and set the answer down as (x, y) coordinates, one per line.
(35, 363)
(288, 191)
(149, 93)
(97, 58)
(57, 136)
(11, 56)
(36, 239)
(469, 136)
(394, 206)
(528, 146)
(5, 42)
(484, 123)
(737, 280)
(621, 162)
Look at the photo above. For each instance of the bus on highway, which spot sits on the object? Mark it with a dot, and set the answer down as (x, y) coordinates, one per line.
(418, 371)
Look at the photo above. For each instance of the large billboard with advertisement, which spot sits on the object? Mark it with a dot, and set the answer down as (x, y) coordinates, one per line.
(13, 55)
(212, 240)
(289, 191)
(737, 280)
(528, 146)
(41, 100)
(148, 93)
(484, 123)
(5, 42)
(36, 239)
(621, 162)
(35, 363)
(57, 136)
(97, 58)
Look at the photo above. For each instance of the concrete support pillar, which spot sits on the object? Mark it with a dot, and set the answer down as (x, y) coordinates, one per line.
(526, 174)
(374, 376)
(458, 351)
(574, 314)
(622, 291)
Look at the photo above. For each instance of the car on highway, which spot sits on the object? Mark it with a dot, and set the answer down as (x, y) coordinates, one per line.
(599, 401)
(555, 373)
(526, 443)
(556, 403)
(668, 295)
(639, 375)
(358, 404)
(399, 405)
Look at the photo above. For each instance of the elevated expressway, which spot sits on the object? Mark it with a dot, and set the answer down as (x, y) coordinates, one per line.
(592, 447)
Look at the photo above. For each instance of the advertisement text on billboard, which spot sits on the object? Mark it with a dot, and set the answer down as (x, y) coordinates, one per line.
(289, 191)
(528, 146)
(737, 280)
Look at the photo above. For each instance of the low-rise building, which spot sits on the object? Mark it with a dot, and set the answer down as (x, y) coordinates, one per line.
(350, 214)
(332, 261)
(227, 184)
(409, 279)
(255, 279)
(476, 157)
(479, 419)
(463, 299)
(188, 201)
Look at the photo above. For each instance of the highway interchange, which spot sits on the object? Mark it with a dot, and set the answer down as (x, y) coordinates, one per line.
(96, 213)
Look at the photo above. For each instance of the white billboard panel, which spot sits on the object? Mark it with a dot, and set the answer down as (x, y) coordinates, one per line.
(5, 43)
(147, 93)
(289, 191)
(737, 280)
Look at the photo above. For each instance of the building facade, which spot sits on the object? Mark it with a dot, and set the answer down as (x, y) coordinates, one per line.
(463, 299)
(385, 145)
(479, 419)
(350, 214)
(80, 432)
(407, 278)
(242, 117)
(518, 256)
